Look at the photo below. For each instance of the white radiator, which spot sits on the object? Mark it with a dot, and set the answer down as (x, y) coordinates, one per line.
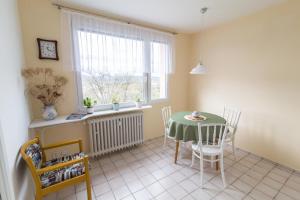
(113, 133)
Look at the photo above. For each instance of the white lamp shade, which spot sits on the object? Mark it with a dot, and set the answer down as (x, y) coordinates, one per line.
(199, 69)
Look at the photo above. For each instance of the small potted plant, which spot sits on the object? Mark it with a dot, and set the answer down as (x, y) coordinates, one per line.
(138, 103)
(115, 103)
(89, 104)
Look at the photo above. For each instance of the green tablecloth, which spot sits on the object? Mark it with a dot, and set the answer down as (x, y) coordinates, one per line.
(186, 130)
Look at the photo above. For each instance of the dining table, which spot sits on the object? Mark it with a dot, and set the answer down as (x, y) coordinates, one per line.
(181, 128)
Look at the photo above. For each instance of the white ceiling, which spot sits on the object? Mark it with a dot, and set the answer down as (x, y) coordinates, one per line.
(181, 16)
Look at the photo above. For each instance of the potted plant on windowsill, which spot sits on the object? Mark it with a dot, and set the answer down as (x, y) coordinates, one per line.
(89, 104)
(138, 103)
(115, 103)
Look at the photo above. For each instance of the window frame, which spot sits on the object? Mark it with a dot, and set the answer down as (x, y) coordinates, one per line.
(146, 80)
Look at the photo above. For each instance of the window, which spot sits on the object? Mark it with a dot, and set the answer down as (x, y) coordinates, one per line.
(116, 74)
(119, 62)
(158, 70)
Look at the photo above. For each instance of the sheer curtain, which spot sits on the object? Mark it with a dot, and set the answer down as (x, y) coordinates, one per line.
(97, 45)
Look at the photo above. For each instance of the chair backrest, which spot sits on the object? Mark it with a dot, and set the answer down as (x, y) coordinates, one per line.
(166, 114)
(31, 152)
(232, 117)
(211, 135)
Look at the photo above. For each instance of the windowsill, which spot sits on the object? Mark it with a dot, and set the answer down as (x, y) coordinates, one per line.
(156, 101)
(62, 119)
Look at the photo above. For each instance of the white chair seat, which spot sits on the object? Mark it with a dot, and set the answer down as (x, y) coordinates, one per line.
(207, 150)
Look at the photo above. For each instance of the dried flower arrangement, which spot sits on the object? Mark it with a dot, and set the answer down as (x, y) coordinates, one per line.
(44, 85)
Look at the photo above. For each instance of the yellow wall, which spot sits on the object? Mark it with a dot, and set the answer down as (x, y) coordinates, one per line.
(254, 64)
(41, 19)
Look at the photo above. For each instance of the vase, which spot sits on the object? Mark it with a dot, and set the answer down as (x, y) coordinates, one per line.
(49, 112)
(116, 106)
(90, 110)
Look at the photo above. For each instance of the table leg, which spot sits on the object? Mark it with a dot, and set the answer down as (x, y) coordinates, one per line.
(217, 163)
(176, 151)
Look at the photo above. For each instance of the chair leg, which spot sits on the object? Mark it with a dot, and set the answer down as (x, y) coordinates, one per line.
(87, 180)
(38, 196)
(222, 170)
(89, 190)
(182, 146)
(193, 159)
(211, 162)
(233, 148)
(176, 151)
(201, 172)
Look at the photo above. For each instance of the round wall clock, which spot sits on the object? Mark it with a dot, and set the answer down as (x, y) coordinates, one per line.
(47, 49)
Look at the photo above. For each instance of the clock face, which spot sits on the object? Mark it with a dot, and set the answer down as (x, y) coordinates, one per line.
(47, 49)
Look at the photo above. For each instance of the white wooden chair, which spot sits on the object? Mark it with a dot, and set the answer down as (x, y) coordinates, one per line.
(232, 117)
(166, 115)
(212, 147)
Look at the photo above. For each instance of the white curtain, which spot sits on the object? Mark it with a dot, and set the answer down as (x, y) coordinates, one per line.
(97, 45)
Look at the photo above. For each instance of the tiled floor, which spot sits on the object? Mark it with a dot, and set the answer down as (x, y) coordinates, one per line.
(148, 172)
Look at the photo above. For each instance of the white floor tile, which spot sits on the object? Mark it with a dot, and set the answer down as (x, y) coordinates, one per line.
(106, 196)
(101, 189)
(201, 194)
(266, 189)
(281, 196)
(121, 192)
(165, 196)
(129, 177)
(242, 186)
(272, 183)
(292, 184)
(135, 186)
(79, 187)
(98, 179)
(142, 195)
(188, 197)
(277, 177)
(188, 186)
(83, 195)
(234, 193)
(290, 192)
(167, 182)
(223, 196)
(116, 182)
(178, 177)
(159, 174)
(258, 195)
(155, 189)
(129, 197)
(148, 180)
(68, 191)
(281, 172)
(212, 189)
(177, 192)
(295, 177)
(249, 180)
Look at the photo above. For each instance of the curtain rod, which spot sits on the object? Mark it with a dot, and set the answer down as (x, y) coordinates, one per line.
(59, 6)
